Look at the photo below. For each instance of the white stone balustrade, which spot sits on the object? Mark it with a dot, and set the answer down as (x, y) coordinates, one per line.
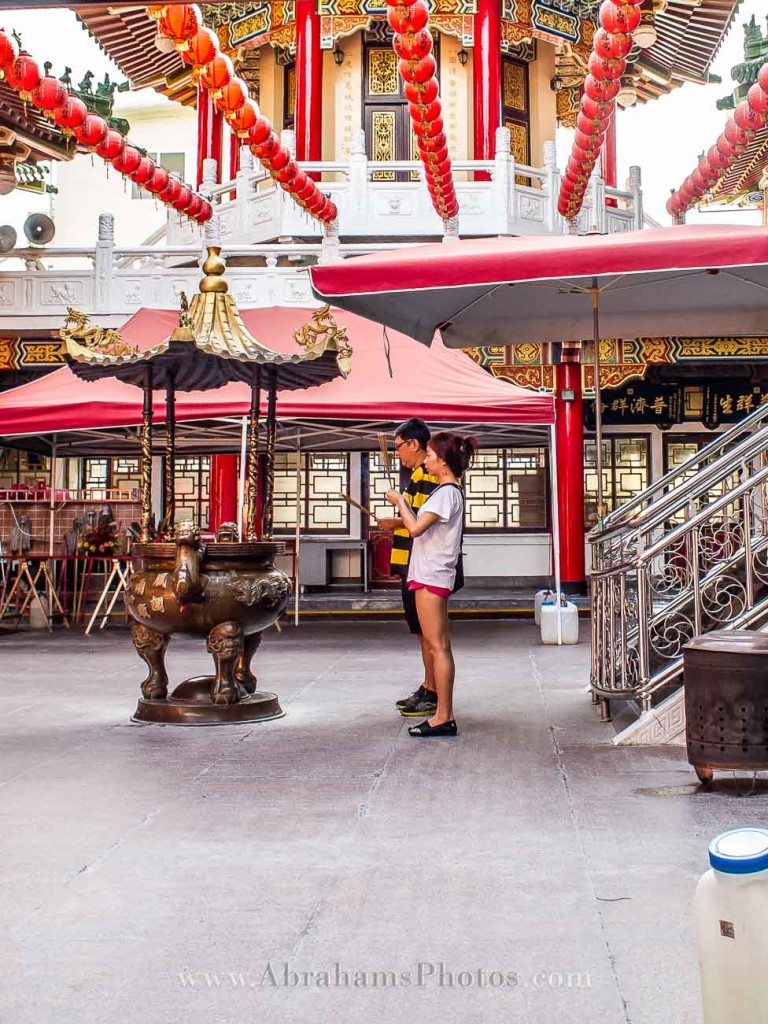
(261, 223)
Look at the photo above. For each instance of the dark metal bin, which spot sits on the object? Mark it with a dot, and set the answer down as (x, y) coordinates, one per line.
(726, 701)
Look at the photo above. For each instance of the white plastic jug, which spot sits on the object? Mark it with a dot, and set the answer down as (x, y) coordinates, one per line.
(569, 619)
(731, 912)
(538, 599)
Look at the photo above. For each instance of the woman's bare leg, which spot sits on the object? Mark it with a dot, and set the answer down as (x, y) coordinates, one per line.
(433, 616)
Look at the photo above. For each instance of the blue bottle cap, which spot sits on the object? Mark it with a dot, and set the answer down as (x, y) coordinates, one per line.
(741, 851)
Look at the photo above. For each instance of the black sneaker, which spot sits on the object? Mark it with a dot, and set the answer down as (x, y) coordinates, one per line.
(424, 703)
(417, 693)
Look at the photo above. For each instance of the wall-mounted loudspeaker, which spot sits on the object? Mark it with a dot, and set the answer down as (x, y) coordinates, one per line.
(8, 238)
(39, 229)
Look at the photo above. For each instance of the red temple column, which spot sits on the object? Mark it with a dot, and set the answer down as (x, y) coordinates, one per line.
(608, 157)
(309, 82)
(569, 434)
(486, 73)
(210, 124)
(222, 491)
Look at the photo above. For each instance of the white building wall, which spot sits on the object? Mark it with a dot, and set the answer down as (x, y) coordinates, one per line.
(88, 186)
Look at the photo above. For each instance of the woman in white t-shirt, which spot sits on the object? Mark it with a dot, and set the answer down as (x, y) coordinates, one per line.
(437, 529)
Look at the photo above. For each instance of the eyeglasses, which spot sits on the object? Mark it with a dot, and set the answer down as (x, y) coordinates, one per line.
(399, 446)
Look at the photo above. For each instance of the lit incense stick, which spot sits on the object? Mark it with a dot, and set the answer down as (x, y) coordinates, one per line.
(385, 457)
(361, 508)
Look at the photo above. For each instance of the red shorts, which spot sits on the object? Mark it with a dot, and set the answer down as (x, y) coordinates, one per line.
(443, 592)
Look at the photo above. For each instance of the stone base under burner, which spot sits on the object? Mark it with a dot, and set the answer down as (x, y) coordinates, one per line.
(190, 704)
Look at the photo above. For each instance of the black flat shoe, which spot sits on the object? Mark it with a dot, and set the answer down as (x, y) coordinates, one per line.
(425, 729)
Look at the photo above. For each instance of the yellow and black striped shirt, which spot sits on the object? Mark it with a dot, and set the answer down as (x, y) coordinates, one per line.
(419, 488)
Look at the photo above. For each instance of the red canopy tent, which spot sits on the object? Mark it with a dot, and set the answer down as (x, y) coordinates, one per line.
(439, 385)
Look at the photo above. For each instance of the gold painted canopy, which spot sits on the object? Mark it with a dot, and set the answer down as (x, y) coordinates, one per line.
(210, 348)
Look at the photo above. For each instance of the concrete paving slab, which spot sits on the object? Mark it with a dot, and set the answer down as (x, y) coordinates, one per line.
(327, 866)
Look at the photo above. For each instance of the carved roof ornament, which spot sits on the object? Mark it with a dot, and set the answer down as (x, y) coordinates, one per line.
(79, 333)
(210, 347)
(321, 331)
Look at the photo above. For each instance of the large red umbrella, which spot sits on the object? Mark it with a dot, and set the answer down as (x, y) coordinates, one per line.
(680, 280)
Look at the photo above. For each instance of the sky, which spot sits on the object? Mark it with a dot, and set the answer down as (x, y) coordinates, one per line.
(665, 137)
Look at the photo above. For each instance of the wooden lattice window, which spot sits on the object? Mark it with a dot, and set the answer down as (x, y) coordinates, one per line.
(323, 479)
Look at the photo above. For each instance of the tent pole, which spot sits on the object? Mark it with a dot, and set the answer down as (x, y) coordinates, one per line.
(595, 293)
(243, 471)
(253, 457)
(269, 483)
(297, 542)
(169, 480)
(52, 507)
(555, 506)
(146, 458)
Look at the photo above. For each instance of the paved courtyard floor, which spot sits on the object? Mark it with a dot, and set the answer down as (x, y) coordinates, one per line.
(329, 868)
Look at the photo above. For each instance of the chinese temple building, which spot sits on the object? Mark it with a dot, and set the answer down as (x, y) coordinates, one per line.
(326, 77)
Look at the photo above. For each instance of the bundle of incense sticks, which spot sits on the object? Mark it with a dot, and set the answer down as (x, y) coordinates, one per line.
(386, 461)
(361, 508)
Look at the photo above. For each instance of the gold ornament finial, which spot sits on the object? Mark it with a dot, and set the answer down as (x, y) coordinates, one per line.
(214, 268)
(185, 317)
(79, 330)
(322, 331)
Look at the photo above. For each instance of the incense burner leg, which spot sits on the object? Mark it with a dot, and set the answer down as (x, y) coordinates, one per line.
(225, 643)
(243, 672)
(151, 647)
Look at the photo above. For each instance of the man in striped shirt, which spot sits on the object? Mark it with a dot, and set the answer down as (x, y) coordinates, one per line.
(411, 446)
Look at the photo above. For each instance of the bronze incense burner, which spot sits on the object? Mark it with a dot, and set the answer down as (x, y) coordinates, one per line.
(228, 590)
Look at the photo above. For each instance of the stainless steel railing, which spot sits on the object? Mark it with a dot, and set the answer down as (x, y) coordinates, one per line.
(693, 561)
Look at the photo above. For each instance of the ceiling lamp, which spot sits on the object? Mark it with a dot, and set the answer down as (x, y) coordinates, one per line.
(645, 35)
(627, 94)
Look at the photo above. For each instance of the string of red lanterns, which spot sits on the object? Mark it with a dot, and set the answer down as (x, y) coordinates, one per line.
(413, 43)
(69, 112)
(748, 117)
(199, 47)
(607, 63)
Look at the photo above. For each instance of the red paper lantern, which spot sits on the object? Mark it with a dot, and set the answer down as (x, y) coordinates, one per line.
(265, 150)
(619, 17)
(218, 73)
(298, 182)
(404, 19)
(433, 144)
(201, 48)
(50, 94)
(184, 199)
(333, 212)
(195, 206)
(762, 77)
(288, 171)
(144, 171)
(206, 213)
(698, 182)
(23, 74)
(413, 45)
(243, 120)
(590, 126)
(259, 132)
(606, 68)
(305, 193)
(428, 129)
(71, 113)
(757, 98)
(92, 131)
(180, 21)
(425, 111)
(112, 145)
(315, 203)
(735, 136)
(422, 92)
(232, 96)
(159, 181)
(715, 158)
(171, 192)
(611, 44)
(746, 118)
(584, 140)
(417, 70)
(279, 159)
(562, 206)
(128, 161)
(596, 109)
(435, 157)
(400, 3)
(7, 49)
(601, 89)
(726, 150)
